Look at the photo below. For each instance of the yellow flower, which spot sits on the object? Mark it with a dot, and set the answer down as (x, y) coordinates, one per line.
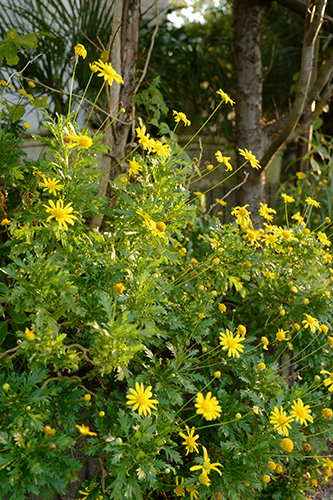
(278, 468)
(327, 413)
(102, 413)
(157, 228)
(310, 201)
(271, 465)
(80, 50)
(330, 339)
(250, 157)
(141, 398)
(144, 139)
(261, 366)
(3, 82)
(281, 335)
(241, 329)
(266, 212)
(301, 412)
(61, 214)
(221, 202)
(328, 382)
(206, 467)
(265, 342)
(83, 141)
(4, 222)
(160, 149)
(222, 308)
(281, 421)
(311, 323)
(256, 410)
(107, 72)
(300, 175)
(87, 397)
(32, 85)
(217, 374)
(84, 429)
(225, 97)
(322, 237)
(194, 494)
(266, 478)
(233, 344)
(119, 288)
(51, 185)
(287, 198)
(179, 116)
(49, 431)
(287, 444)
(190, 440)
(30, 334)
(22, 92)
(242, 215)
(26, 125)
(208, 407)
(179, 490)
(298, 218)
(224, 159)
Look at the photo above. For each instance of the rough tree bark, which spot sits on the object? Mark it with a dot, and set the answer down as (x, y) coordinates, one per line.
(264, 140)
(123, 50)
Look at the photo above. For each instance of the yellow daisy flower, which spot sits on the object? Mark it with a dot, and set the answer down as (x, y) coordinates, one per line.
(141, 398)
(301, 412)
(224, 160)
(194, 494)
(51, 185)
(61, 214)
(106, 71)
(281, 421)
(266, 212)
(225, 97)
(179, 116)
(84, 429)
(311, 201)
(287, 198)
(30, 334)
(179, 490)
(79, 50)
(208, 407)
(190, 440)
(233, 344)
(311, 323)
(206, 467)
(250, 157)
(83, 141)
(328, 382)
(242, 215)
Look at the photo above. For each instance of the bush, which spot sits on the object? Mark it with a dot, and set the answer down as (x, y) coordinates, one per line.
(190, 358)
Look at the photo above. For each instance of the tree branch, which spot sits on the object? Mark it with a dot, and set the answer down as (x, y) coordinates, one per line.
(303, 127)
(300, 7)
(314, 20)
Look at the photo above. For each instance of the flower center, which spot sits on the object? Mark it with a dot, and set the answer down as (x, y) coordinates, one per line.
(301, 412)
(232, 343)
(59, 213)
(206, 406)
(282, 420)
(142, 399)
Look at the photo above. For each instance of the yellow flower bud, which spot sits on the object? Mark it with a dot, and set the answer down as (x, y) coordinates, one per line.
(287, 444)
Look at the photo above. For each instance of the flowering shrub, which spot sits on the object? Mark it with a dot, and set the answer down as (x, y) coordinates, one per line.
(193, 359)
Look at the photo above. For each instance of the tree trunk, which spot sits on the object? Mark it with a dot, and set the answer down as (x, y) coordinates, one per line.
(248, 18)
(123, 57)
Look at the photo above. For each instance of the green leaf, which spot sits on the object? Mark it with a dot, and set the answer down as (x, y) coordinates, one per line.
(13, 61)
(17, 317)
(15, 112)
(28, 41)
(10, 50)
(6, 362)
(40, 102)
(3, 330)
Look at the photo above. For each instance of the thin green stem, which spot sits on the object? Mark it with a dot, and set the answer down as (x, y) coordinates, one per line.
(72, 83)
(99, 93)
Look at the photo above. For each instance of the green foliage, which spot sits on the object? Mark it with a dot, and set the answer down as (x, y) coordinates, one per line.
(15, 43)
(113, 341)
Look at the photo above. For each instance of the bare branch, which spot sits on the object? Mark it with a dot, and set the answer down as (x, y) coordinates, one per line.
(229, 192)
(303, 127)
(152, 41)
(313, 23)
